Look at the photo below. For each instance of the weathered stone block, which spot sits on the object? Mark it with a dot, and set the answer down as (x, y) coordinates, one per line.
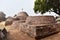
(39, 26)
(37, 30)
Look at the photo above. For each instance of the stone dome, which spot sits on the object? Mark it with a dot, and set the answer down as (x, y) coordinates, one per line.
(22, 14)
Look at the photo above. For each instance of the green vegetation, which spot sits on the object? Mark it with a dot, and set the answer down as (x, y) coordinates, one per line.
(46, 5)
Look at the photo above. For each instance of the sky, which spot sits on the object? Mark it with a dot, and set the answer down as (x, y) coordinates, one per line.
(12, 7)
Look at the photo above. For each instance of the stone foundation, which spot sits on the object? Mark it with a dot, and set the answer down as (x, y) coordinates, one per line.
(39, 26)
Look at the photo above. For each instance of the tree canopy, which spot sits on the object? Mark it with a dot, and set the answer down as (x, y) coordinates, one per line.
(46, 5)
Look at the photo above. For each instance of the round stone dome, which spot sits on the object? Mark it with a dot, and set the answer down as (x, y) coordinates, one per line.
(22, 14)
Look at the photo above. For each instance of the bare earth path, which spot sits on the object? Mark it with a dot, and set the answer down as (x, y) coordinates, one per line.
(17, 35)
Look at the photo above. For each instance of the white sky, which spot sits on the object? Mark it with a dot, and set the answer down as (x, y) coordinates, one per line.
(11, 7)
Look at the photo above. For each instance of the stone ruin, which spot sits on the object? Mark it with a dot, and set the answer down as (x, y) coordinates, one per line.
(9, 21)
(2, 16)
(34, 26)
(19, 18)
(24, 14)
(39, 26)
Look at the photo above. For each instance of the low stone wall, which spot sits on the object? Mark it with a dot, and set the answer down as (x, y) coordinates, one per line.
(40, 20)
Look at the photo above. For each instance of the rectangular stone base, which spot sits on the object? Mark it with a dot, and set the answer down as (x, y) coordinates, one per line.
(39, 31)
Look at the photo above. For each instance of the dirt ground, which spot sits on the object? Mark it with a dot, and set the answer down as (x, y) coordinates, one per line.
(15, 34)
(18, 35)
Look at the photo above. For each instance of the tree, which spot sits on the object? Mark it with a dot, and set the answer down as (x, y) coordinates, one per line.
(46, 5)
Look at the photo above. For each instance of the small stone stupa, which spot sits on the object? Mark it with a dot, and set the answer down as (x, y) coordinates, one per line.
(20, 18)
(22, 14)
